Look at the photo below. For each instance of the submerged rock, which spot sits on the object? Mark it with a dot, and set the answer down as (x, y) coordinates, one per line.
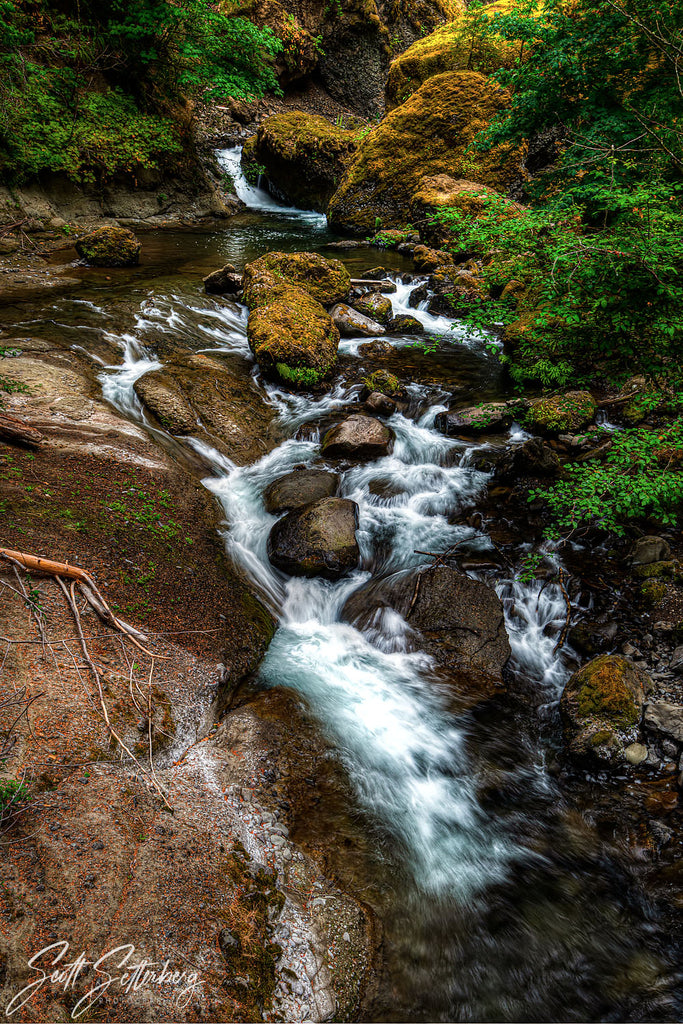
(325, 280)
(358, 437)
(298, 488)
(601, 708)
(350, 323)
(429, 134)
(293, 338)
(225, 281)
(110, 247)
(303, 157)
(460, 621)
(317, 540)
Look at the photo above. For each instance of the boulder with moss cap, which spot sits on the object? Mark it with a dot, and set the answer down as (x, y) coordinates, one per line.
(110, 247)
(458, 45)
(303, 157)
(430, 134)
(442, 192)
(293, 337)
(601, 709)
(325, 280)
(562, 414)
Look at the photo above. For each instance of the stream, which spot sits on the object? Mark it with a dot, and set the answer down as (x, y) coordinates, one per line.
(497, 901)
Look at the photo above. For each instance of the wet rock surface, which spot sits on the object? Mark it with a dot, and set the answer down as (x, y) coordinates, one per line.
(316, 540)
(302, 487)
(358, 437)
(459, 621)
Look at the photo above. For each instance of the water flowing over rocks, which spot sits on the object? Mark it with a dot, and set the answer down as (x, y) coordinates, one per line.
(302, 487)
(358, 437)
(459, 622)
(316, 540)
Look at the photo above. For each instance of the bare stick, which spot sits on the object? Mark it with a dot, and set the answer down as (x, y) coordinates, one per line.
(565, 629)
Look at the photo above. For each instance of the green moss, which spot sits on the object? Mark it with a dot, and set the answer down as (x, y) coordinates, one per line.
(383, 382)
(457, 46)
(303, 156)
(110, 247)
(652, 592)
(561, 413)
(293, 337)
(326, 280)
(602, 693)
(430, 134)
(670, 570)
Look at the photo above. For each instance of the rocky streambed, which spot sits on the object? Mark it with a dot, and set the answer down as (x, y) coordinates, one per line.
(367, 743)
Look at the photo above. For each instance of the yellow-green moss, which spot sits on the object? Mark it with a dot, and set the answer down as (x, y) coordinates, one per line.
(325, 280)
(383, 382)
(430, 134)
(110, 247)
(293, 337)
(457, 46)
(303, 156)
(560, 413)
(652, 592)
(602, 691)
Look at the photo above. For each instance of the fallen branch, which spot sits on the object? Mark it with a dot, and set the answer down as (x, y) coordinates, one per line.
(565, 629)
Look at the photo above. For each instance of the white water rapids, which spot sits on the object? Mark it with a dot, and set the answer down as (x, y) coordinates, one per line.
(373, 692)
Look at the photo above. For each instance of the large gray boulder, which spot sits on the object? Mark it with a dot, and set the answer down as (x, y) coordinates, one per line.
(317, 540)
(459, 621)
(298, 488)
(358, 437)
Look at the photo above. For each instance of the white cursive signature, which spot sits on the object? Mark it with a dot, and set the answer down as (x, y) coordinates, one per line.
(52, 968)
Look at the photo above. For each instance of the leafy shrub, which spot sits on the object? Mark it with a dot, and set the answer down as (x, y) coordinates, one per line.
(641, 476)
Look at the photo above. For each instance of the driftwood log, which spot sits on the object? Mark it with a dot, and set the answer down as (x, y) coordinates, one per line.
(15, 430)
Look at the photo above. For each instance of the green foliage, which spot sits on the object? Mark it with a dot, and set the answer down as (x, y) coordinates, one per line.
(641, 476)
(12, 794)
(301, 376)
(99, 91)
(598, 257)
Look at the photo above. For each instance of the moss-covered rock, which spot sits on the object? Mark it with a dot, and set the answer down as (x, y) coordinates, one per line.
(381, 382)
(601, 708)
(375, 305)
(325, 280)
(458, 45)
(110, 247)
(429, 135)
(441, 191)
(560, 414)
(303, 157)
(293, 337)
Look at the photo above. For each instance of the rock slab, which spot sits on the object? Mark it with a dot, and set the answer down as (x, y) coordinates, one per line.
(316, 540)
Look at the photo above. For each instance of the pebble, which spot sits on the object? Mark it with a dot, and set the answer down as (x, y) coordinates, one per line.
(635, 753)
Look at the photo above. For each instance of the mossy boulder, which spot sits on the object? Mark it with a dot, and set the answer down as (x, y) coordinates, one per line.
(375, 305)
(459, 45)
(381, 382)
(326, 280)
(441, 191)
(110, 247)
(430, 134)
(601, 708)
(293, 337)
(560, 414)
(303, 157)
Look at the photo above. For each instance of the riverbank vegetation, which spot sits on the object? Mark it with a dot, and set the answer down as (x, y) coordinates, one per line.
(95, 90)
(597, 258)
